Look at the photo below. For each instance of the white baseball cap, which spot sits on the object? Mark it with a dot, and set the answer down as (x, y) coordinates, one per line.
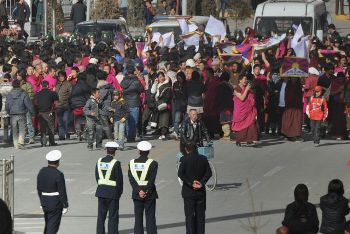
(313, 71)
(93, 60)
(190, 63)
(144, 146)
(54, 155)
(111, 144)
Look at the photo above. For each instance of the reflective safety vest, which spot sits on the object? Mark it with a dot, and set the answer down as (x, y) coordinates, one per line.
(140, 167)
(108, 167)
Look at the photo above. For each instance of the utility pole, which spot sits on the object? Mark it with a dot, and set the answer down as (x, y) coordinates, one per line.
(45, 17)
(88, 5)
(184, 7)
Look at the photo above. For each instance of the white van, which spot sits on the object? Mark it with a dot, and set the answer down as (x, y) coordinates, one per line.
(280, 15)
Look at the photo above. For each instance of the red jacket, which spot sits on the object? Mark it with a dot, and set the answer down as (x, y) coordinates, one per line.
(317, 108)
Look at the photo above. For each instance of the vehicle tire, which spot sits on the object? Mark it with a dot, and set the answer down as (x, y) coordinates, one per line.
(177, 170)
(210, 185)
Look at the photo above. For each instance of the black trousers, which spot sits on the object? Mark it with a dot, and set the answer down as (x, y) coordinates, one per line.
(149, 207)
(195, 215)
(112, 207)
(315, 130)
(46, 121)
(52, 220)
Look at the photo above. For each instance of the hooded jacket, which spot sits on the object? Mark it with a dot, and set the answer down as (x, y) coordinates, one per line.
(334, 209)
(18, 103)
(106, 91)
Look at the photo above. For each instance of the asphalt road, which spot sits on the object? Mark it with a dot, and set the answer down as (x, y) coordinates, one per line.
(272, 169)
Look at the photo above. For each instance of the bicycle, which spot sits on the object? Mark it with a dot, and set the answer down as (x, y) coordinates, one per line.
(208, 152)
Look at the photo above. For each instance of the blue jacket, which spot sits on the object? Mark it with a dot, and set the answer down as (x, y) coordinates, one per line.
(18, 103)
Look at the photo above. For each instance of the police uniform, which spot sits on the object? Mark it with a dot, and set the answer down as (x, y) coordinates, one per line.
(142, 175)
(109, 178)
(52, 193)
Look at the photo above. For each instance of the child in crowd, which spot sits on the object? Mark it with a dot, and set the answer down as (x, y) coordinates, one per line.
(120, 111)
(93, 122)
(317, 111)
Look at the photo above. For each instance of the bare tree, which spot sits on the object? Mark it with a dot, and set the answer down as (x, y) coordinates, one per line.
(105, 9)
(136, 13)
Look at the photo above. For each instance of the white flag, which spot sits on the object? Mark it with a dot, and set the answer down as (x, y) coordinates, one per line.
(183, 25)
(156, 36)
(215, 27)
(168, 39)
(298, 34)
(192, 27)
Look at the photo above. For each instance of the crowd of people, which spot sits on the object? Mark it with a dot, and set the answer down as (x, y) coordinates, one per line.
(96, 88)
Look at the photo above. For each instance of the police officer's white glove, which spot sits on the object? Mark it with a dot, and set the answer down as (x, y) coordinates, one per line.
(65, 210)
(41, 208)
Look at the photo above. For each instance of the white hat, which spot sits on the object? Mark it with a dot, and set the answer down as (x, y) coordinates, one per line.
(190, 63)
(144, 146)
(313, 71)
(93, 60)
(197, 56)
(111, 144)
(53, 155)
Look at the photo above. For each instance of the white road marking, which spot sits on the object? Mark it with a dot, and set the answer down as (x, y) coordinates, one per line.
(69, 180)
(251, 187)
(273, 171)
(29, 223)
(20, 180)
(89, 191)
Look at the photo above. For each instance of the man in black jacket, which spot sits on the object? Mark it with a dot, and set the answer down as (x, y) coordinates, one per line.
(132, 89)
(21, 15)
(194, 171)
(109, 177)
(142, 175)
(78, 13)
(192, 130)
(44, 101)
(51, 188)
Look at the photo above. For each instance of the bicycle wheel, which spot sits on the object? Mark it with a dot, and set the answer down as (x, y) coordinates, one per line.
(210, 185)
(177, 170)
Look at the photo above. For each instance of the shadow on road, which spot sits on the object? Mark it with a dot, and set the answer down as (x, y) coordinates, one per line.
(228, 186)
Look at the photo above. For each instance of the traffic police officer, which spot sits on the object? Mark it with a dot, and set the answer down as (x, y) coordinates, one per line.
(52, 192)
(142, 175)
(109, 177)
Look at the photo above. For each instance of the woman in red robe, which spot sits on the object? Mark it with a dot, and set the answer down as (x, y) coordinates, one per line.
(244, 115)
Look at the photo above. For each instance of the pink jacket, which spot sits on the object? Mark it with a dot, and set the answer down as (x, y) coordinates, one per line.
(52, 81)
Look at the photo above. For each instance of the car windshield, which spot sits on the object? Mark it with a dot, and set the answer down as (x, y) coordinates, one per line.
(264, 25)
(97, 28)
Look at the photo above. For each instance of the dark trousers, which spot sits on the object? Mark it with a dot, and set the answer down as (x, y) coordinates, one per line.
(63, 114)
(94, 130)
(107, 126)
(280, 111)
(46, 121)
(149, 207)
(315, 130)
(195, 215)
(52, 221)
(112, 207)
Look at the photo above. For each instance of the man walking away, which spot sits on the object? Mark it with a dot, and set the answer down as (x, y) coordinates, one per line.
(78, 13)
(44, 101)
(17, 105)
(194, 171)
(51, 188)
(109, 177)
